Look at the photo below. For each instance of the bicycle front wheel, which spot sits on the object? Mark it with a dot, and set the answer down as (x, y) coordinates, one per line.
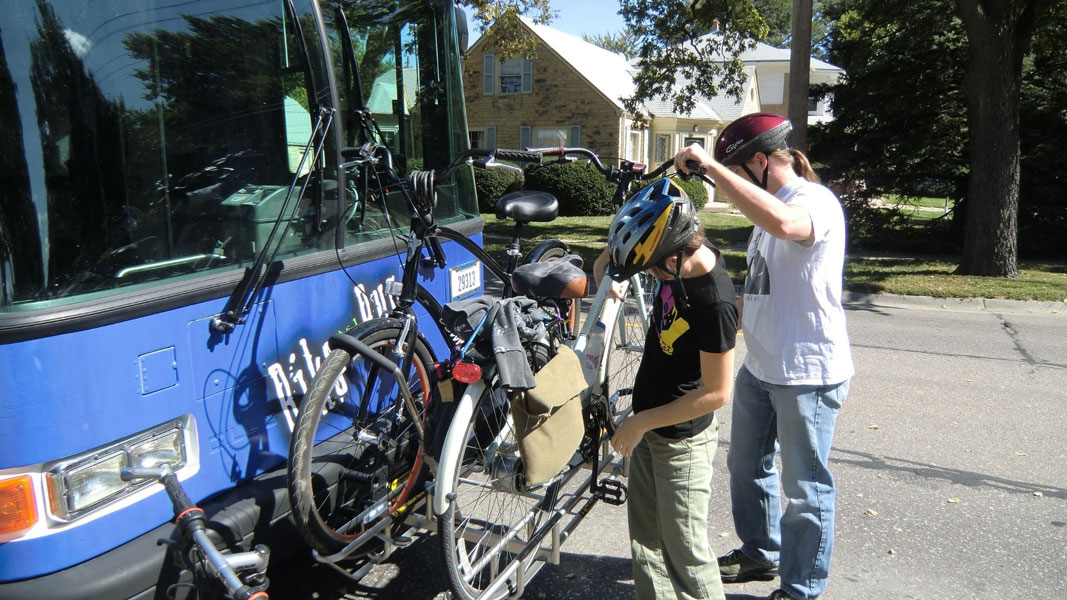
(492, 519)
(355, 456)
(628, 346)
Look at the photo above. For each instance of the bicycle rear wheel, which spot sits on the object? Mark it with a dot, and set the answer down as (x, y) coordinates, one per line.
(492, 520)
(355, 457)
(628, 346)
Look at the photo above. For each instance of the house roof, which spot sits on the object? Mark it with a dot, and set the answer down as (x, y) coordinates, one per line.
(383, 91)
(612, 74)
(765, 53)
(721, 107)
(605, 70)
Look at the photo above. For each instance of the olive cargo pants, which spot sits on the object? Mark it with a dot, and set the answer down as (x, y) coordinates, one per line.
(667, 509)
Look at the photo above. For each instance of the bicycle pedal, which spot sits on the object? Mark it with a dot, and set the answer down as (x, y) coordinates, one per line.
(402, 541)
(611, 491)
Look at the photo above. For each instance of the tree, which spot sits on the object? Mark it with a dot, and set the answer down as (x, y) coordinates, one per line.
(899, 116)
(778, 15)
(680, 59)
(623, 42)
(901, 119)
(499, 19)
(999, 33)
(1043, 127)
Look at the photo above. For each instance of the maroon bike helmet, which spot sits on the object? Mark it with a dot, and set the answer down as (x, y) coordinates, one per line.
(759, 132)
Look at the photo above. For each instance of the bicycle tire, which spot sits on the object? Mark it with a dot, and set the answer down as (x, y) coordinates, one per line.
(337, 468)
(546, 250)
(486, 507)
(626, 349)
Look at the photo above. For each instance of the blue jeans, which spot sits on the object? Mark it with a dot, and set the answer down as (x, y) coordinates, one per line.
(799, 420)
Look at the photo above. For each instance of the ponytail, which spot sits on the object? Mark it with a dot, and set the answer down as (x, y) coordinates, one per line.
(799, 162)
(802, 167)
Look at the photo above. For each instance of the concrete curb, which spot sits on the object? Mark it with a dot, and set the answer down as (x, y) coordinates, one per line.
(989, 305)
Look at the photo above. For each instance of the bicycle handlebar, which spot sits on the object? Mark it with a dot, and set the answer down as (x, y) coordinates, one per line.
(190, 520)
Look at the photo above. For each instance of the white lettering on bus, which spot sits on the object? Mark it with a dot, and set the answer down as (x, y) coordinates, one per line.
(371, 305)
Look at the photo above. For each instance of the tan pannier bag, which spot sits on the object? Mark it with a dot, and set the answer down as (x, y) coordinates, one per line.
(548, 418)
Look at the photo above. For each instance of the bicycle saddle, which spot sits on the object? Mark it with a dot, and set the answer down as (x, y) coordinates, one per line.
(527, 205)
(556, 278)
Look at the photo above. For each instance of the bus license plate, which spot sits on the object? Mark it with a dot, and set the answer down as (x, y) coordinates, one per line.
(465, 280)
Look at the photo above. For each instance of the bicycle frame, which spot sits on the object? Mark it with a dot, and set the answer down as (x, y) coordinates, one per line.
(562, 519)
(605, 309)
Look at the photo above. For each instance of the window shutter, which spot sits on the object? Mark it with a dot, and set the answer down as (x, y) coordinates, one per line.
(488, 74)
(524, 136)
(490, 136)
(575, 138)
(527, 76)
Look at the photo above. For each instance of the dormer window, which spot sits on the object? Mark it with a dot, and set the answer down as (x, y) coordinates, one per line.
(511, 76)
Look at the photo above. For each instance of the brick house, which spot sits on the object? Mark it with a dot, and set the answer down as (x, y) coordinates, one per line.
(569, 94)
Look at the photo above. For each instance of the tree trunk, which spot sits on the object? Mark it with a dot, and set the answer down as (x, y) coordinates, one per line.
(799, 73)
(991, 85)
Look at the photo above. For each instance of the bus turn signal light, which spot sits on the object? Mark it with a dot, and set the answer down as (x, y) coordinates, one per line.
(18, 508)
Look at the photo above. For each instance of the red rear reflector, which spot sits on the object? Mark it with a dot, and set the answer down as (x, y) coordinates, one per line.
(18, 510)
(464, 372)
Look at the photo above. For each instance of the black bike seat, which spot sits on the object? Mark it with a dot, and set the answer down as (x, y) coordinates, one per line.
(557, 278)
(527, 205)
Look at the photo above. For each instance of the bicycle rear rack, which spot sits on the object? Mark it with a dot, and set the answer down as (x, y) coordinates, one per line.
(415, 520)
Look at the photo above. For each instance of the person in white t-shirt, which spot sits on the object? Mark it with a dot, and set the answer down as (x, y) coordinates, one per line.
(798, 365)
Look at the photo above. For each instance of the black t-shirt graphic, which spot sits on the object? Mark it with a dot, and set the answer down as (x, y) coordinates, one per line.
(670, 366)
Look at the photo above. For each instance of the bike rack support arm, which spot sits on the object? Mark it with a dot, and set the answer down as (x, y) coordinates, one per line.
(354, 346)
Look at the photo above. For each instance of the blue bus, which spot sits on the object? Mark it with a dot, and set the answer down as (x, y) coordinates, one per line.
(179, 236)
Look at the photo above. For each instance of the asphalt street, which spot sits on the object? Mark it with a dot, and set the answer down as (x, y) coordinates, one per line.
(949, 457)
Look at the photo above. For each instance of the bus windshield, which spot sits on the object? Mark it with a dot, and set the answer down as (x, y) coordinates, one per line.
(148, 141)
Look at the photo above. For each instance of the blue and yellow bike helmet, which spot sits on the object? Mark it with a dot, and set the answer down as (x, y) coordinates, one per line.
(654, 223)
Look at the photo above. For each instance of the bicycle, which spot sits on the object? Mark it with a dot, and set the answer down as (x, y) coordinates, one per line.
(242, 575)
(371, 451)
(491, 528)
(358, 447)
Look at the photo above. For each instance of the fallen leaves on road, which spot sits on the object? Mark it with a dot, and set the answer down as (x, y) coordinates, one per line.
(953, 500)
(871, 512)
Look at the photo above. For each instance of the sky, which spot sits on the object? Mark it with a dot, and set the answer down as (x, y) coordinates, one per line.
(576, 17)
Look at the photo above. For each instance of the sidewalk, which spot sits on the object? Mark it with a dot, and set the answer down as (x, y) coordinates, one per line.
(989, 305)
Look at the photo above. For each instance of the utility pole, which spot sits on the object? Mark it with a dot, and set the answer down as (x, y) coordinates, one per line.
(799, 72)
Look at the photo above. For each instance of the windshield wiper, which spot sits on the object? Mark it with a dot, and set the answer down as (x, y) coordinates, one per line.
(244, 295)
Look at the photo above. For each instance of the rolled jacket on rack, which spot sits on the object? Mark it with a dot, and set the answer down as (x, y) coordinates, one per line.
(511, 322)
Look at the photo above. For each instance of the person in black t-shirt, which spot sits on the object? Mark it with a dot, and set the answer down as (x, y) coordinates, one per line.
(686, 373)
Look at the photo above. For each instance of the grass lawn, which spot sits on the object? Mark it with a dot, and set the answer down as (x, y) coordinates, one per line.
(912, 276)
(924, 202)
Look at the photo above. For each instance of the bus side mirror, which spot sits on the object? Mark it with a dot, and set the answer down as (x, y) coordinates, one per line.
(461, 29)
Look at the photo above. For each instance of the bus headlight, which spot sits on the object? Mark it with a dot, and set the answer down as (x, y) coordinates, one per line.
(81, 484)
(88, 484)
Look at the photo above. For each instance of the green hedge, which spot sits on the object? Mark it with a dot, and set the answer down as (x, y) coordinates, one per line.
(491, 184)
(696, 191)
(579, 187)
(693, 188)
(581, 190)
